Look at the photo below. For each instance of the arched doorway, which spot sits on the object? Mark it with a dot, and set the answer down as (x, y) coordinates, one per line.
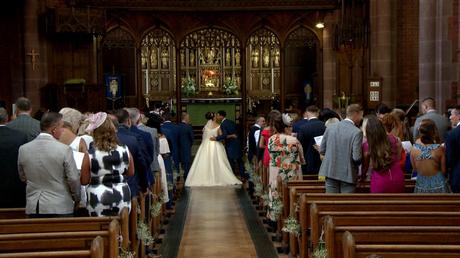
(302, 69)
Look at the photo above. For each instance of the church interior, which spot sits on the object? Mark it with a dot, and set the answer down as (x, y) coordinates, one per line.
(247, 58)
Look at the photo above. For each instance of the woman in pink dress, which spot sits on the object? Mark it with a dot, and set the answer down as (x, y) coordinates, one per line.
(382, 153)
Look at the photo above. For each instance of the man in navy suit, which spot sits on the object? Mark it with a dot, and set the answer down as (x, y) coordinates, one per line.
(12, 189)
(453, 150)
(186, 142)
(171, 131)
(143, 137)
(296, 126)
(306, 134)
(137, 150)
(232, 143)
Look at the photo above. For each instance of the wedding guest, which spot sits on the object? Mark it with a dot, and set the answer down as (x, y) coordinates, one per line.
(286, 153)
(53, 182)
(171, 132)
(381, 153)
(12, 189)
(265, 134)
(111, 164)
(139, 181)
(24, 122)
(185, 142)
(145, 139)
(453, 150)
(253, 139)
(341, 147)
(429, 160)
(429, 112)
(306, 135)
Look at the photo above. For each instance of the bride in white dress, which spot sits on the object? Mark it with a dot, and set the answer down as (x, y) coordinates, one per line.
(211, 166)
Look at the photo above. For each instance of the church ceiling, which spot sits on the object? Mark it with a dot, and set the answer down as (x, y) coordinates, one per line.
(213, 5)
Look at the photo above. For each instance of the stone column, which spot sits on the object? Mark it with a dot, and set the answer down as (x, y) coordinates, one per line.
(329, 61)
(436, 68)
(383, 46)
(35, 68)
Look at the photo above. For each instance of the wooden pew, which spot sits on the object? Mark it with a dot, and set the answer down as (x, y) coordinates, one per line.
(353, 250)
(392, 228)
(61, 241)
(373, 202)
(38, 225)
(295, 193)
(12, 213)
(96, 251)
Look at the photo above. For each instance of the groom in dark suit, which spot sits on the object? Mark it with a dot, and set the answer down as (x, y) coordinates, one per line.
(232, 143)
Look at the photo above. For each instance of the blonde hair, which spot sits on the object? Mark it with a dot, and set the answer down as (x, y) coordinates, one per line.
(73, 117)
(105, 137)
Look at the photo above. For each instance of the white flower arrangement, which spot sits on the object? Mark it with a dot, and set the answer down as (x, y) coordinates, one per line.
(275, 206)
(155, 208)
(144, 234)
(321, 250)
(188, 86)
(125, 253)
(230, 87)
(292, 226)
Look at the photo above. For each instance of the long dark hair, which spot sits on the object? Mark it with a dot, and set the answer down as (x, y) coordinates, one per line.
(379, 146)
(428, 132)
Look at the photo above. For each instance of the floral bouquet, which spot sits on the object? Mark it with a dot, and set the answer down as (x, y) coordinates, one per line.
(188, 86)
(230, 87)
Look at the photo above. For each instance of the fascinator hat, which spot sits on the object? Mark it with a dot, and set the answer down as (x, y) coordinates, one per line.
(95, 120)
(287, 119)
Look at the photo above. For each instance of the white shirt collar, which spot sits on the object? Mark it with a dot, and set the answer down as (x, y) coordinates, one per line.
(313, 117)
(431, 110)
(458, 123)
(2, 125)
(348, 119)
(257, 125)
(46, 135)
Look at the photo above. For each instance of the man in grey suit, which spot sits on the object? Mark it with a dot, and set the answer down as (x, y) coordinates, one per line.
(429, 112)
(24, 122)
(48, 168)
(341, 146)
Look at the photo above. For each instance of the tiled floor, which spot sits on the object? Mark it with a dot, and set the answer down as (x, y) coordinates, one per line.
(215, 227)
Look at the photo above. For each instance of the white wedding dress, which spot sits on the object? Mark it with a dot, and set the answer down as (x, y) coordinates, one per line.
(210, 166)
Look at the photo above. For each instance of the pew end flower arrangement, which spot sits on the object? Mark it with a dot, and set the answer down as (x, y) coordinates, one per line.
(291, 226)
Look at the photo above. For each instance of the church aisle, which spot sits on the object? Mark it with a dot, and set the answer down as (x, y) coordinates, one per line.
(215, 226)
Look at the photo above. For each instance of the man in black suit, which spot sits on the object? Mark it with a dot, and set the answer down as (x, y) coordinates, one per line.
(253, 138)
(12, 189)
(314, 127)
(185, 142)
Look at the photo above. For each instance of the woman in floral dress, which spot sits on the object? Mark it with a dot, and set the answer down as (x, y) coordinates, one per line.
(286, 158)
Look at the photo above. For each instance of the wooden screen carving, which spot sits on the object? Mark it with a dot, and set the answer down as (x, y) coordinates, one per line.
(158, 62)
(210, 59)
(263, 62)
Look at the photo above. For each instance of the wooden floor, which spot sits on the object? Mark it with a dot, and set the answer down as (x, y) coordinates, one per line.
(215, 227)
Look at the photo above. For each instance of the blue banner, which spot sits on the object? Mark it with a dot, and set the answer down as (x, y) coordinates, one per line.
(113, 88)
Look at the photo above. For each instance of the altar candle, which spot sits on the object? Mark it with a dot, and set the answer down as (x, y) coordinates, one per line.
(273, 83)
(146, 82)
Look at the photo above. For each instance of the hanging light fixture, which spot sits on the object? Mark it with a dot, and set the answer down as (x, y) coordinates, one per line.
(320, 25)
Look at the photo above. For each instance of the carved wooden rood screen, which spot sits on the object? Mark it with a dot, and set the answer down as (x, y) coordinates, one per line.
(158, 62)
(210, 64)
